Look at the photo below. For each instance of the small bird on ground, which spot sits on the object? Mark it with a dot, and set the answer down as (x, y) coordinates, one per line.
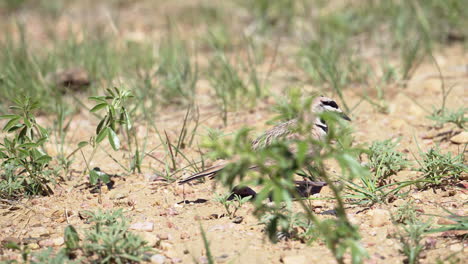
(285, 131)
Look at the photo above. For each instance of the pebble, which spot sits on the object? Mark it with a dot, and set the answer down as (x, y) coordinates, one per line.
(461, 138)
(158, 259)
(380, 218)
(184, 235)
(446, 221)
(118, 195)
(33, 246)
(238, 220)
(142, 226)
(150, 238)
(51, 242)
(456, 247)
(164, 245)
(295, 260)
(163, 236)
(222, 259)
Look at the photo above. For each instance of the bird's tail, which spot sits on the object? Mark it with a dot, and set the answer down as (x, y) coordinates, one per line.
(210, 172)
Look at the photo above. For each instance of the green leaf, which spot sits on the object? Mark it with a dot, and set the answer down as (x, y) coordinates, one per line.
(28, 145)
(11, 123)
(12, 245)
(16, 127)
(103, 177)
(44, 159)
(98, 107)
(71, 238)
(9, 116)
(83, 144)
(114, 139)
(101, 99)
(93, 177)
(102, 135)
(101, 125)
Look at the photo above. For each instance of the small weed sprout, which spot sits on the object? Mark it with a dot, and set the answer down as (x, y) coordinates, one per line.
(406, 214)
(232, 203)
(438, 168)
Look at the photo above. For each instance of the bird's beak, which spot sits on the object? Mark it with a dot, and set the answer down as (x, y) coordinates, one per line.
(345, 117)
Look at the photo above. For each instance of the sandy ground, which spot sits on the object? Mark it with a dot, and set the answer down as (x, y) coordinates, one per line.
(176, 232)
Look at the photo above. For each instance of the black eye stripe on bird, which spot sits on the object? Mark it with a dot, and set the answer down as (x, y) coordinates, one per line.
(331, 104)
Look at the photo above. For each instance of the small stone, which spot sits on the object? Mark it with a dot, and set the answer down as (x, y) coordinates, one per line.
(118, 196)
(222, 259)
(142, 226)
(295, 260)
(461, 138)
(150, 238)
(163, 236)
(33, 246)
(446, 221)
(456, 247)
(238, 220)
(58, 241)
(184, 235)
(380, 218)
(158, 259)
(46, 243)
(164, 245)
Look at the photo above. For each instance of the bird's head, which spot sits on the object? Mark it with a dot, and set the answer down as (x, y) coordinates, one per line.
(324, 104)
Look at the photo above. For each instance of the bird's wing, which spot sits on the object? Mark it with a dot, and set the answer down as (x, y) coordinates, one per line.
(279, 132)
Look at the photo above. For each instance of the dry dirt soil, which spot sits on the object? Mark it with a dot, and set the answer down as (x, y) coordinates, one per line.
(176, 232)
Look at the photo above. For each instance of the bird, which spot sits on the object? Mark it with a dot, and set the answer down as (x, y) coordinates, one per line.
(285, 131)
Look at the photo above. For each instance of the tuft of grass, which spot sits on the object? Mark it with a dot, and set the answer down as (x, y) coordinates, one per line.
(439, 169)
(447, 116)
(385, 161)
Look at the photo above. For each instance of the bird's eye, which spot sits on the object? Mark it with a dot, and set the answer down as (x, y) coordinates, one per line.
(331, 104)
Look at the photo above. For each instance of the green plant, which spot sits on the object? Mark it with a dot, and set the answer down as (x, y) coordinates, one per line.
(110, 241)
(385, 161)
(116, 120)
(410, 238)
(443, 116)
(289, 225)
(438, 168)
(406, 214)
(24, 152)
(276, 166)
(232, 203)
